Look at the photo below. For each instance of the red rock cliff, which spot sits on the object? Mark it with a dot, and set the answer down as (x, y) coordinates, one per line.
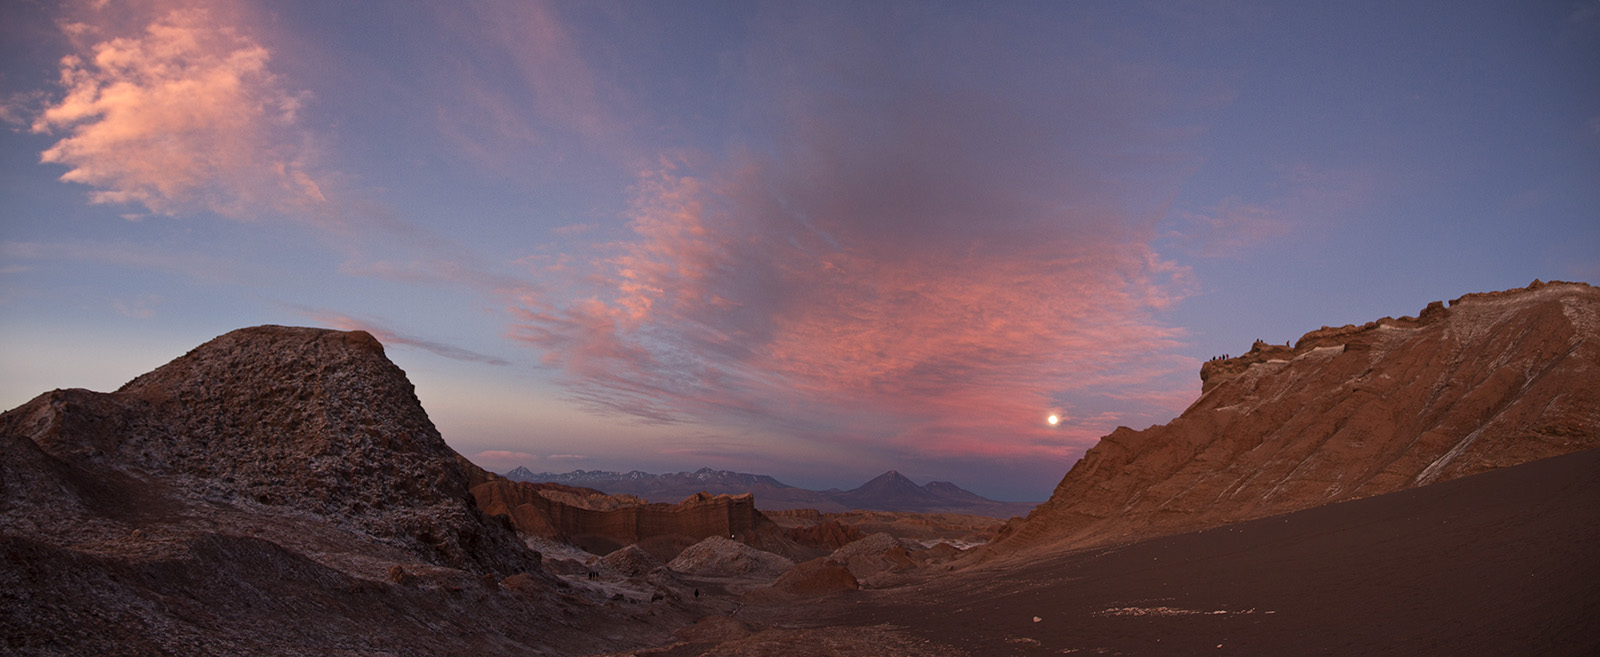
(1490, 381)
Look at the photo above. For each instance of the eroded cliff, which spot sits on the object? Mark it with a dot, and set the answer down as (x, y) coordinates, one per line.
(605, 524)
(1489, 381)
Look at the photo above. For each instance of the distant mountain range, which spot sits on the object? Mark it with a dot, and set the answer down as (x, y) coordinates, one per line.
(890, 491)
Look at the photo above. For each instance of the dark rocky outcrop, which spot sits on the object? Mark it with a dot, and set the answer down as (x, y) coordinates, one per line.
(1492, 380)
(721, 557)
(873, 555)
(312, 420)
(825, 535)
(275, 491)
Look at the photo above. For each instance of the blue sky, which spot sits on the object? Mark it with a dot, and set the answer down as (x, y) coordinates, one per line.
(815, 240)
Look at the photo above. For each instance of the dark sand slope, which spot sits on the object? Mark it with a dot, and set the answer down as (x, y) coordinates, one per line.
(1501, 563)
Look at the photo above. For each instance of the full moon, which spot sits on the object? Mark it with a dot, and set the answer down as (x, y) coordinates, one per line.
(1053, 420)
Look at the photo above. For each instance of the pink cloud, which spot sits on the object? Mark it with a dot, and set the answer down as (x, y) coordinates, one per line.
(913, 268)
(174, 107)
(182, 115)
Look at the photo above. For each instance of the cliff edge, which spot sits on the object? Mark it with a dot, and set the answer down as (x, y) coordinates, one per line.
(1489, 381)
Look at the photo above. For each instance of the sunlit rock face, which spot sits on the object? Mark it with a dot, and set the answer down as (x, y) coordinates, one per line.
(1489, 381)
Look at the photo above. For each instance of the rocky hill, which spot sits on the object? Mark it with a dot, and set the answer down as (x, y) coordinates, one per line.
(1489, 381)
(275, 491)
(315, 421)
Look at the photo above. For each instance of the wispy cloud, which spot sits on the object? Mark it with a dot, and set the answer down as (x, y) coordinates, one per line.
(499, 454)
(182, 115)
(567, 457)
(919, 263)
(439, 263)
(1306, 198)
(1230, 227)
(520, 90)
(390, 337)
(199, 266)
(143, 307)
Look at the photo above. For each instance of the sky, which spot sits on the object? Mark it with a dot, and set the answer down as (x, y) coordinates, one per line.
(812, 240)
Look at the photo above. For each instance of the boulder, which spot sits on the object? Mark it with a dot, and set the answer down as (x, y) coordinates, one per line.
(630, 561)
(722, 557)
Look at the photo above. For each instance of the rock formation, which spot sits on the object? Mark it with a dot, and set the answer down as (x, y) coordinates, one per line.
(721, 557)
(813, 578)
(1490, 381)
(663, 528)
(316, 421)
(826, 534)
(275, 491)
(873, 555)
(631, 561)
